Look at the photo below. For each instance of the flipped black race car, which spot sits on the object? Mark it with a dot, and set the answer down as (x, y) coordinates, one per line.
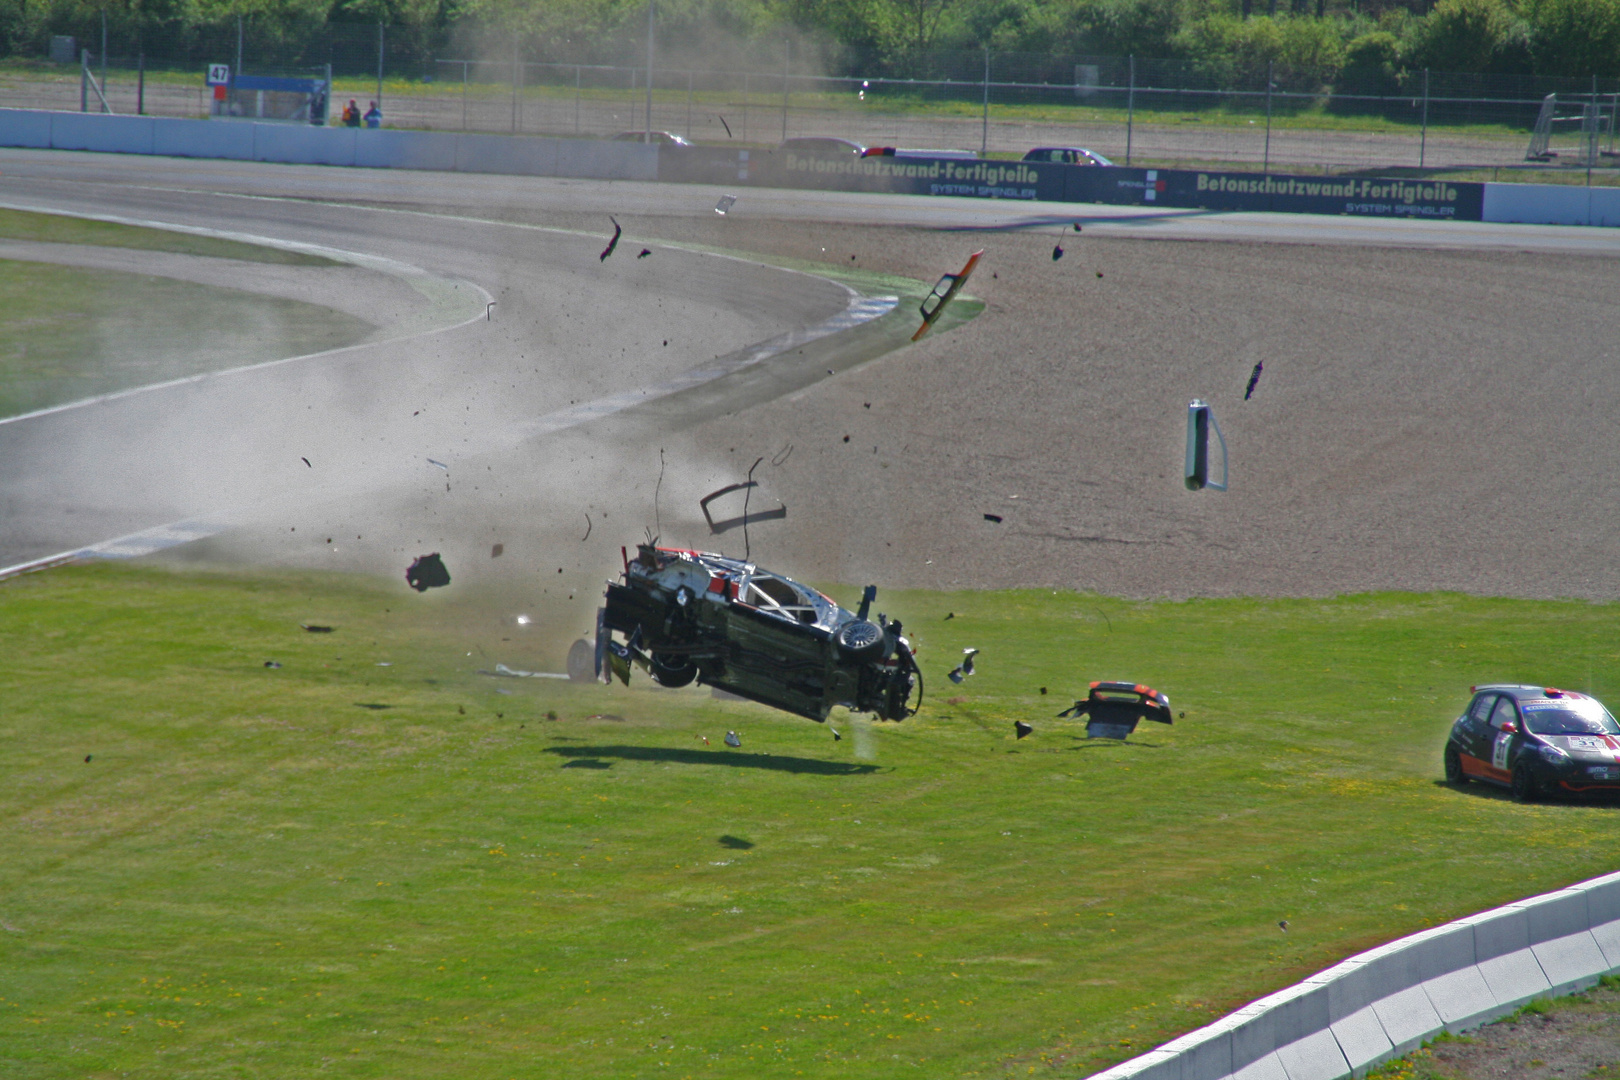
(1535, 741)
(726, 623)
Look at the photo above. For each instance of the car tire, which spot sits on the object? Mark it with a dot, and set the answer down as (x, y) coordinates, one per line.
(671, 672)
(1526, 785)
(582, 662)
(861, 639)
(1454, 769)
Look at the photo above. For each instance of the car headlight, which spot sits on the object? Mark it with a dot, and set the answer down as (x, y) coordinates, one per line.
(1553, 754)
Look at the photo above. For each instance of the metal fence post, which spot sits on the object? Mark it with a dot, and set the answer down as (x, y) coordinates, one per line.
(688, 104)
(787, 61)
(1270, 82)
(984, 125)
(464, 95)
(745, 107)
(104, 57)
(379, 62)
(140, 83)
(1423, 139)
(517, 74)
(84, 80)
(1130, 109)
(239, 45)
(576, 98)
(646, 136)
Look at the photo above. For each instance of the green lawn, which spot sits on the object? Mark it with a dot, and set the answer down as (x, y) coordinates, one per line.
(218, 869)
(63, 229)
(68, 333)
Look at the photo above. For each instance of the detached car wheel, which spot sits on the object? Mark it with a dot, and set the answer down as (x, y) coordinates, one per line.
(1454, 769)
(1526, 785)
(861, 639)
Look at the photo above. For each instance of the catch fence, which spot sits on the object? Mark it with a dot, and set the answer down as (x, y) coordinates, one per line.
(1141, 112)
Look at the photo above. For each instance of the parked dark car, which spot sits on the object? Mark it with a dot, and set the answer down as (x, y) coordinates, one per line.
(688, 616)
(1066, 155)
(1535, 741)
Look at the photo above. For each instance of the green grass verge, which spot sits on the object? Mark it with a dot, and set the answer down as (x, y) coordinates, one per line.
(64, 229)
(68, 333)
(218, 869)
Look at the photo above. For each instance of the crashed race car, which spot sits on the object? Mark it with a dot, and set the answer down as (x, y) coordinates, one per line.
(688, 616)
(1535, 741)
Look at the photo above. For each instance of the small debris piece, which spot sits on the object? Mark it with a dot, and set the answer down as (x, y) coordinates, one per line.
(868, 404)
(726, 201)
(272, 663)
(836, 737)
(949, 615)
(993, 517)
(733, 739)
(488, 307)
(1077, 226)
(1043, 691)
(1099, 273)
(305, 460)
(964, 669)
(427, 572)
(87, 758)
(705, 739)
(1022, 728)
(1282, 925)
(438, 464)
(1254, 377)
(1057, 252)
(644, 253)
(613, 243)
(846, 438)
(728, 135)
(497, 550)
(312, 628)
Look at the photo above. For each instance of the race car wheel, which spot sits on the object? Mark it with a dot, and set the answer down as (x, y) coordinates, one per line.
(1526, 785)
(672, 672)
(1454, 769)
(861, 639)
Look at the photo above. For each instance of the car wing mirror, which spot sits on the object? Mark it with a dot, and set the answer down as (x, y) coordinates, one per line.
(1510, 728)
(1200, 422)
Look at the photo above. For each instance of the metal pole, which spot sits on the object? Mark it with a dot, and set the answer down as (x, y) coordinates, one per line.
(787, 60)
(326, 99)
(239, 44)
(515, 74)
(1423, 139)
(646, 136)
(140, 84)
(1270, 82)
(984, 123)
(745, 107)
(1595, 118)
(464, 95)
(379, 62)
(1130, 110)
(104, 56)
(576, 99)
(84, 80)
(688, 103)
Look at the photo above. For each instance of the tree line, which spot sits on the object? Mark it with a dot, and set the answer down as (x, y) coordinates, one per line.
(1355, 46)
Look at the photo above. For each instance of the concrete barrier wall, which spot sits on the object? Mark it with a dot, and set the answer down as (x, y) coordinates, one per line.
(304, 145)
(1384, 1003)
(1552, 204)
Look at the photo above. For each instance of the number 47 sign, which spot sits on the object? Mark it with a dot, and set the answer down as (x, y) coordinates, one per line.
(219, 74)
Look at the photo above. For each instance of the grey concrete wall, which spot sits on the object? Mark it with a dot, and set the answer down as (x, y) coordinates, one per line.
(1384, 1003)
(1552, 204)
(305, 145)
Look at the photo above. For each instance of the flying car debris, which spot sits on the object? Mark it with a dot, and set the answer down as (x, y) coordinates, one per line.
(87, 758)
(964, 669)
(1077, 226)
(694, 616)
(1254, 377)
(746, 517)
(427, 572)
(1282, 924)
(513, 673)
(945, 291)
(724, 124)
(644, 253)
(726, 201)
(993, 517)
(312, 628)
(1115, 707)
(1022, 728)
(1200, 419)
(613, 243)
(438, 464)
(489, 306)
(733, 739)
(305, 460)
(1057, 251)
(272, 663)
(836, 737)
(496, 550)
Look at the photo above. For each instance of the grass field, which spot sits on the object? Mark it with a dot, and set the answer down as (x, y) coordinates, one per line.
(68, 333)
(214, 868)
(62, 229)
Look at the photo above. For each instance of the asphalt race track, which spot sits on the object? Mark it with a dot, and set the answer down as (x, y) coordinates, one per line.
(1434, 413)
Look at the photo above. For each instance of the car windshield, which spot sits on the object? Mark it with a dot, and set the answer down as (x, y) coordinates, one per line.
(1569, 719)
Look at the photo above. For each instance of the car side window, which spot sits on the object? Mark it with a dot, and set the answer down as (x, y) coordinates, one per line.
(1481, 712)
(1504, 713)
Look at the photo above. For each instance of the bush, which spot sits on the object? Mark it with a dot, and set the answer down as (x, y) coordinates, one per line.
(1306, 54)
(1476, 36)
(1575, 37)
(1372, 65)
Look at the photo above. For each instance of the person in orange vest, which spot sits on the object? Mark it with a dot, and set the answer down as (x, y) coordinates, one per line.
(351, 114)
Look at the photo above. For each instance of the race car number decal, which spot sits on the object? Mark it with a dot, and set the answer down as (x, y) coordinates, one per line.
(1587, 742)
(1499, 752)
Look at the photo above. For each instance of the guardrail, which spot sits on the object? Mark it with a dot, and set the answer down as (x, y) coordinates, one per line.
(1384, 1003)
(613, 160)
